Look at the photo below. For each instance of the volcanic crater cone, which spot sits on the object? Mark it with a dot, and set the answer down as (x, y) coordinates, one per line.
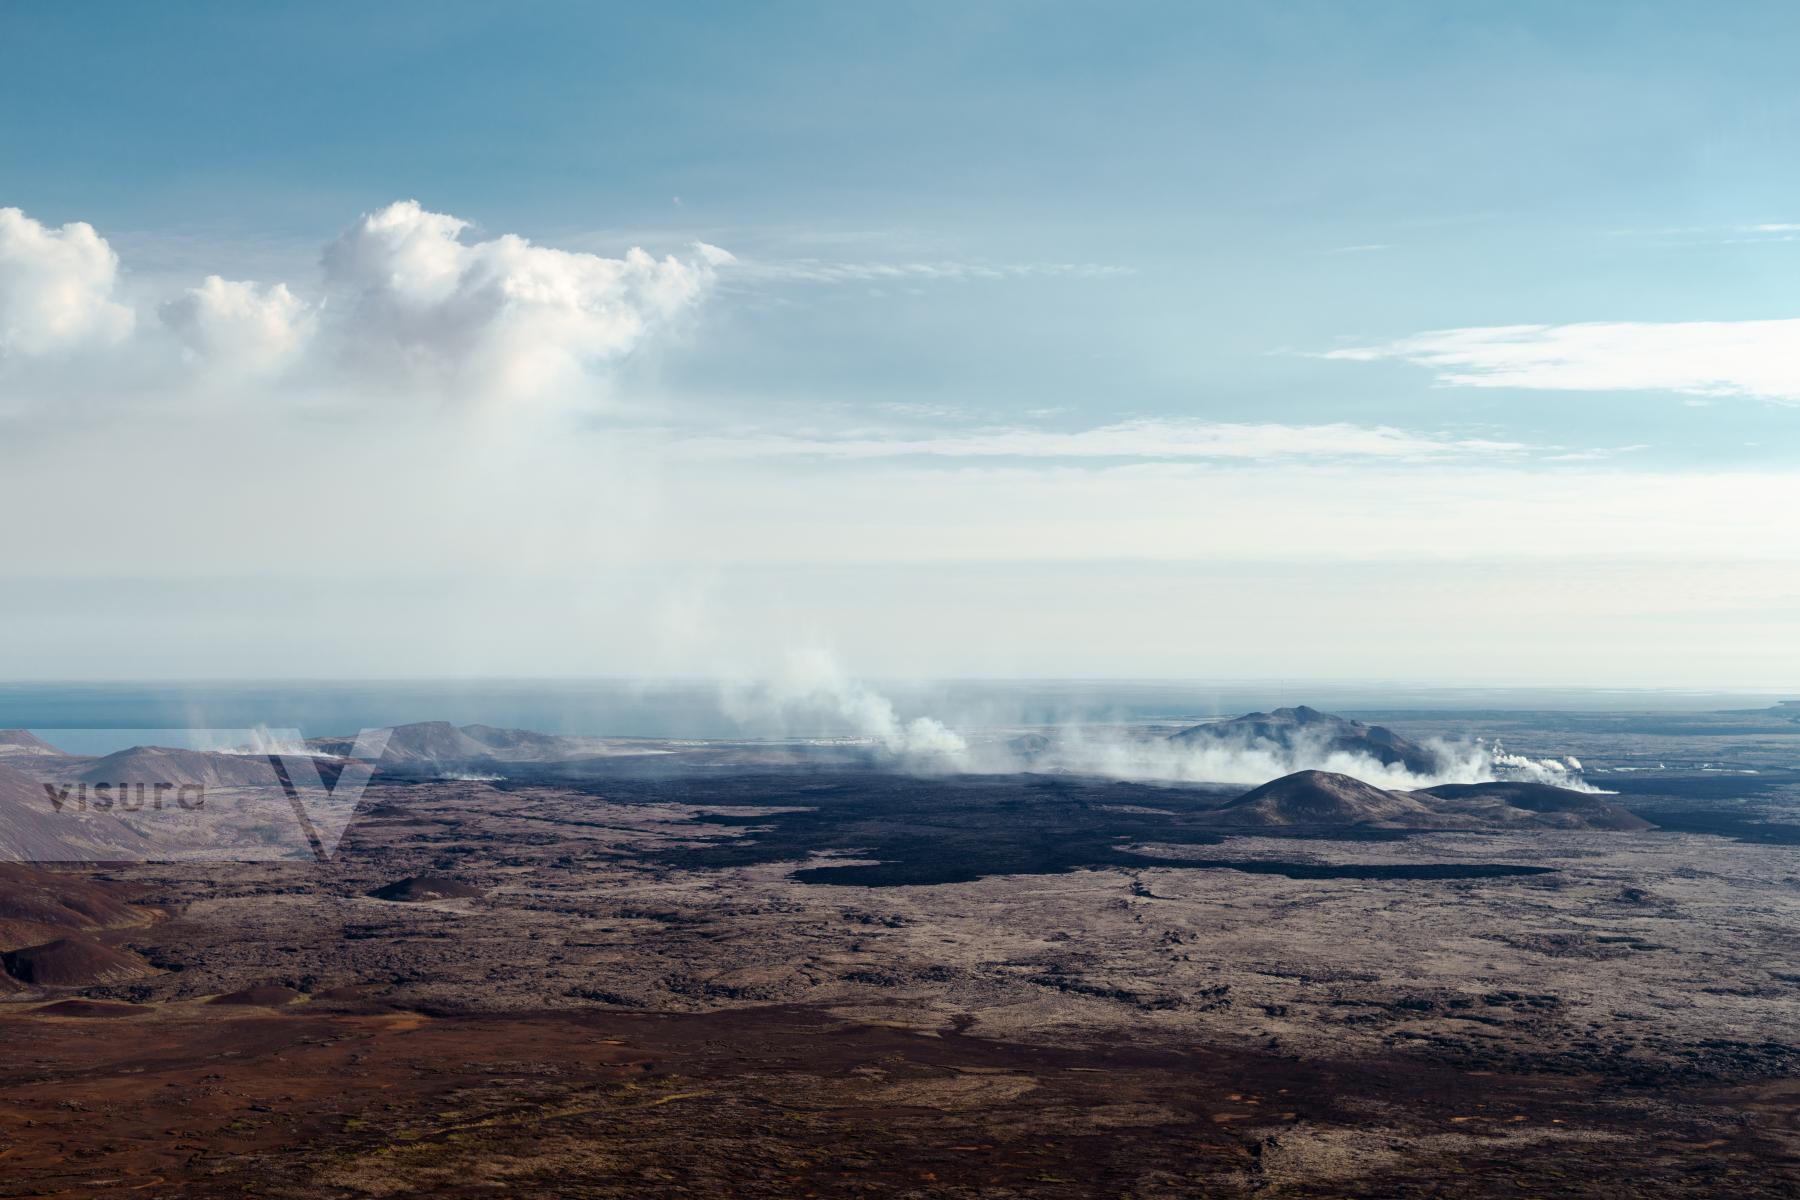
(74, 961)
(416, 888)
(1325, 798)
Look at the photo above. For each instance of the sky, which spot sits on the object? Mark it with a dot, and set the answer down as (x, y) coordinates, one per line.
(1448, 344)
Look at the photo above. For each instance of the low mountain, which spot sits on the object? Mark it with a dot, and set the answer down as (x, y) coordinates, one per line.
(1326, 798)
(1306, 733)
(161, 764)
(434, 742)
(515, 744)
(22, 743)
(34, 829)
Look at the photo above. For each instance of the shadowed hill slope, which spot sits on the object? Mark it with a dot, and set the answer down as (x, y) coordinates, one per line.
(34, 829)
(1304, 732)
(161, 764)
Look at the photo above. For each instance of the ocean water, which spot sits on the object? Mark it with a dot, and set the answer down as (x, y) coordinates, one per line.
(120, 714)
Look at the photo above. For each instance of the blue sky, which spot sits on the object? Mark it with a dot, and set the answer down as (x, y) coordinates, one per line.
(975, 251)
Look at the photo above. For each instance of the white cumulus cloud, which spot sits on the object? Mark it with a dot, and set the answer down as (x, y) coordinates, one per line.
(238, 325)
(501, 316)
(1702, 358)
(56, 287)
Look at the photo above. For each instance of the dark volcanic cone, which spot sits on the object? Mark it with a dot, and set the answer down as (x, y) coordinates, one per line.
(74, 961)
(1325, 798)
(261, 995)
(426, 887)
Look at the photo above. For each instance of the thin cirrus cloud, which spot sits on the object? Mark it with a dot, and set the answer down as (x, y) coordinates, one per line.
(404, 300)
(1136, 439)
(1758, 359)
(813, 270)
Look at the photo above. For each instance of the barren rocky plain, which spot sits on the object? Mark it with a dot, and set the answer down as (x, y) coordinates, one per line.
(706, 969)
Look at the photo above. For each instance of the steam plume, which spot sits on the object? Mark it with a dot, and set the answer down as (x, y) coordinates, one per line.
(810, 688)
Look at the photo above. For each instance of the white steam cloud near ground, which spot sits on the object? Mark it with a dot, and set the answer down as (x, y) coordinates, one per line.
(810, 687)
(810, 691)
(1121, 754)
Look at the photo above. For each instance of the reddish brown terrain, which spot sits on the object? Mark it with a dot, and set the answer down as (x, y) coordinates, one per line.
(335, 1098)
(790, 980)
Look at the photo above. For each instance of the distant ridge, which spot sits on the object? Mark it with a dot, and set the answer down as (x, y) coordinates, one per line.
(24, 743)
(1302, 729)
(439, 745)
(161, 764)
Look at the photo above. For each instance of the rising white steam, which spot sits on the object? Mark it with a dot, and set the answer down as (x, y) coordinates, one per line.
(810, 689)
(262, 742)
(1135, 754)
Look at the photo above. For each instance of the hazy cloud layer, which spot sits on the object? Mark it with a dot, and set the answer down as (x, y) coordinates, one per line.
(1703, 358)
(1149, 439)
(814, 270)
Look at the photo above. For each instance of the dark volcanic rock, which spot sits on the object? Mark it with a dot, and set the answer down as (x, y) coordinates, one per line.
(1582, 809)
